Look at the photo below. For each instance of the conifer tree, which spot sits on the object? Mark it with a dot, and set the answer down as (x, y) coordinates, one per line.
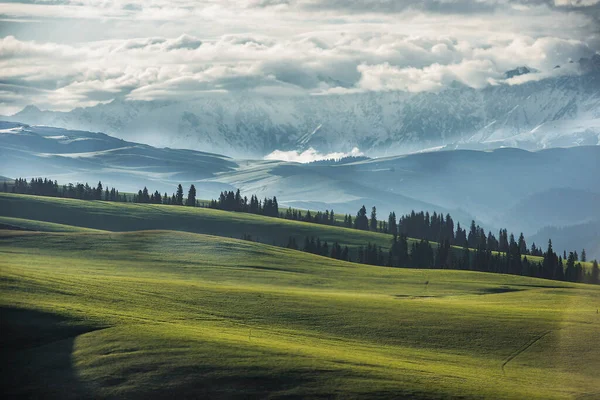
(361, 221)
(595, 276)
(392, 224)
(179, 195)
(191, 197)
(522, 244)
(99, 190)
(373, 221)
(145, 197)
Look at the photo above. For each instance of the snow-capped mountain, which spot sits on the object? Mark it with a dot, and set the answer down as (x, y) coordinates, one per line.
(559, 111)
(520, 190)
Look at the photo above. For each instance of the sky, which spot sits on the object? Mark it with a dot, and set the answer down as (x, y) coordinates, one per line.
(63, 54)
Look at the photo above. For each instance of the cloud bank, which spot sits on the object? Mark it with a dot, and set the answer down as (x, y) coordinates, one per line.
(62, 54)
(310, 155)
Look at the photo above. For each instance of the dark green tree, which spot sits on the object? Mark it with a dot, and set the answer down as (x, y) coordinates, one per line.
(361, 221)
(392, 224)
(191, 197)
(373, 220)
(179, 195)
(595, 276)
(145, 196)
(99, 191)
(522, 244)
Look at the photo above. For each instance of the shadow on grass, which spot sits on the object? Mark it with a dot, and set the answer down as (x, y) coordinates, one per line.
(36, 350)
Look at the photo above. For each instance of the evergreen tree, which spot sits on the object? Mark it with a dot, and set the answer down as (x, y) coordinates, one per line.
(99, 190)
(461, 236)
(503, 241)
(145, 197)
(550, 262)
(5, 187)
(595, 277)
(472, 238)
(325, 249)
(191, 197)
(179, 195)
(361, 221)
(392, 224)
(583, 256)
(345, 254)
(373, 221)
(522, 244)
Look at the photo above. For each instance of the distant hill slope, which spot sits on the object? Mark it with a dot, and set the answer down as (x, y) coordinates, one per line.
(500, 188)
(68, 155)
(556, 206)
(576, 237)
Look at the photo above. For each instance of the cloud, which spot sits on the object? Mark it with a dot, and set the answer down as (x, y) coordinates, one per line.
(309, 155)
(65, 54)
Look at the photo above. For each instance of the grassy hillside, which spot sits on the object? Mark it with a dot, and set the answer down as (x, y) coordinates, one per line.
(92, 314)
(9, 223)
(119, 217)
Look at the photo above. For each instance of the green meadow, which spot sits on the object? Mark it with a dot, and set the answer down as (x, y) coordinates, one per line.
(61, 215)
(111, 300)
(120, 217)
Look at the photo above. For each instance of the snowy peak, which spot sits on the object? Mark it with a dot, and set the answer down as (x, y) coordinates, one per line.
(377, 123)
(517, 72)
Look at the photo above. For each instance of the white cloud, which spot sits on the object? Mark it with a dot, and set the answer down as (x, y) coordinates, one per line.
(384, 77)
(161, 49)
(310, 155)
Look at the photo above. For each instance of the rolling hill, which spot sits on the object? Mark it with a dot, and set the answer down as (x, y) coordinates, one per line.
(50, 214)
(178, 314)
(126, 217)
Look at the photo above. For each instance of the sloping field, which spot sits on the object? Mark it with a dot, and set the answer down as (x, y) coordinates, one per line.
(126, 217)
(119, 217)
(96, 315)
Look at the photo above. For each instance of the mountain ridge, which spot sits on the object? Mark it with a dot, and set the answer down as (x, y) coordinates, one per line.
(561, 111)
(488, 186)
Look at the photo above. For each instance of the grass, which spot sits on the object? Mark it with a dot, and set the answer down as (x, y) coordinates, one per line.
(9, 223)
(105, 314)
(120, 217)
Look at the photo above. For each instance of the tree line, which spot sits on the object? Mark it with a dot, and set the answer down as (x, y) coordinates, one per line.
(422, 254)
(230, 201)
(476, 250)
(48, 187)
(233, 201)
(175, 199)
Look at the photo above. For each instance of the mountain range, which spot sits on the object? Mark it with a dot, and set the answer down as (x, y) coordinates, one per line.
(512, 188)
(559, 111)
